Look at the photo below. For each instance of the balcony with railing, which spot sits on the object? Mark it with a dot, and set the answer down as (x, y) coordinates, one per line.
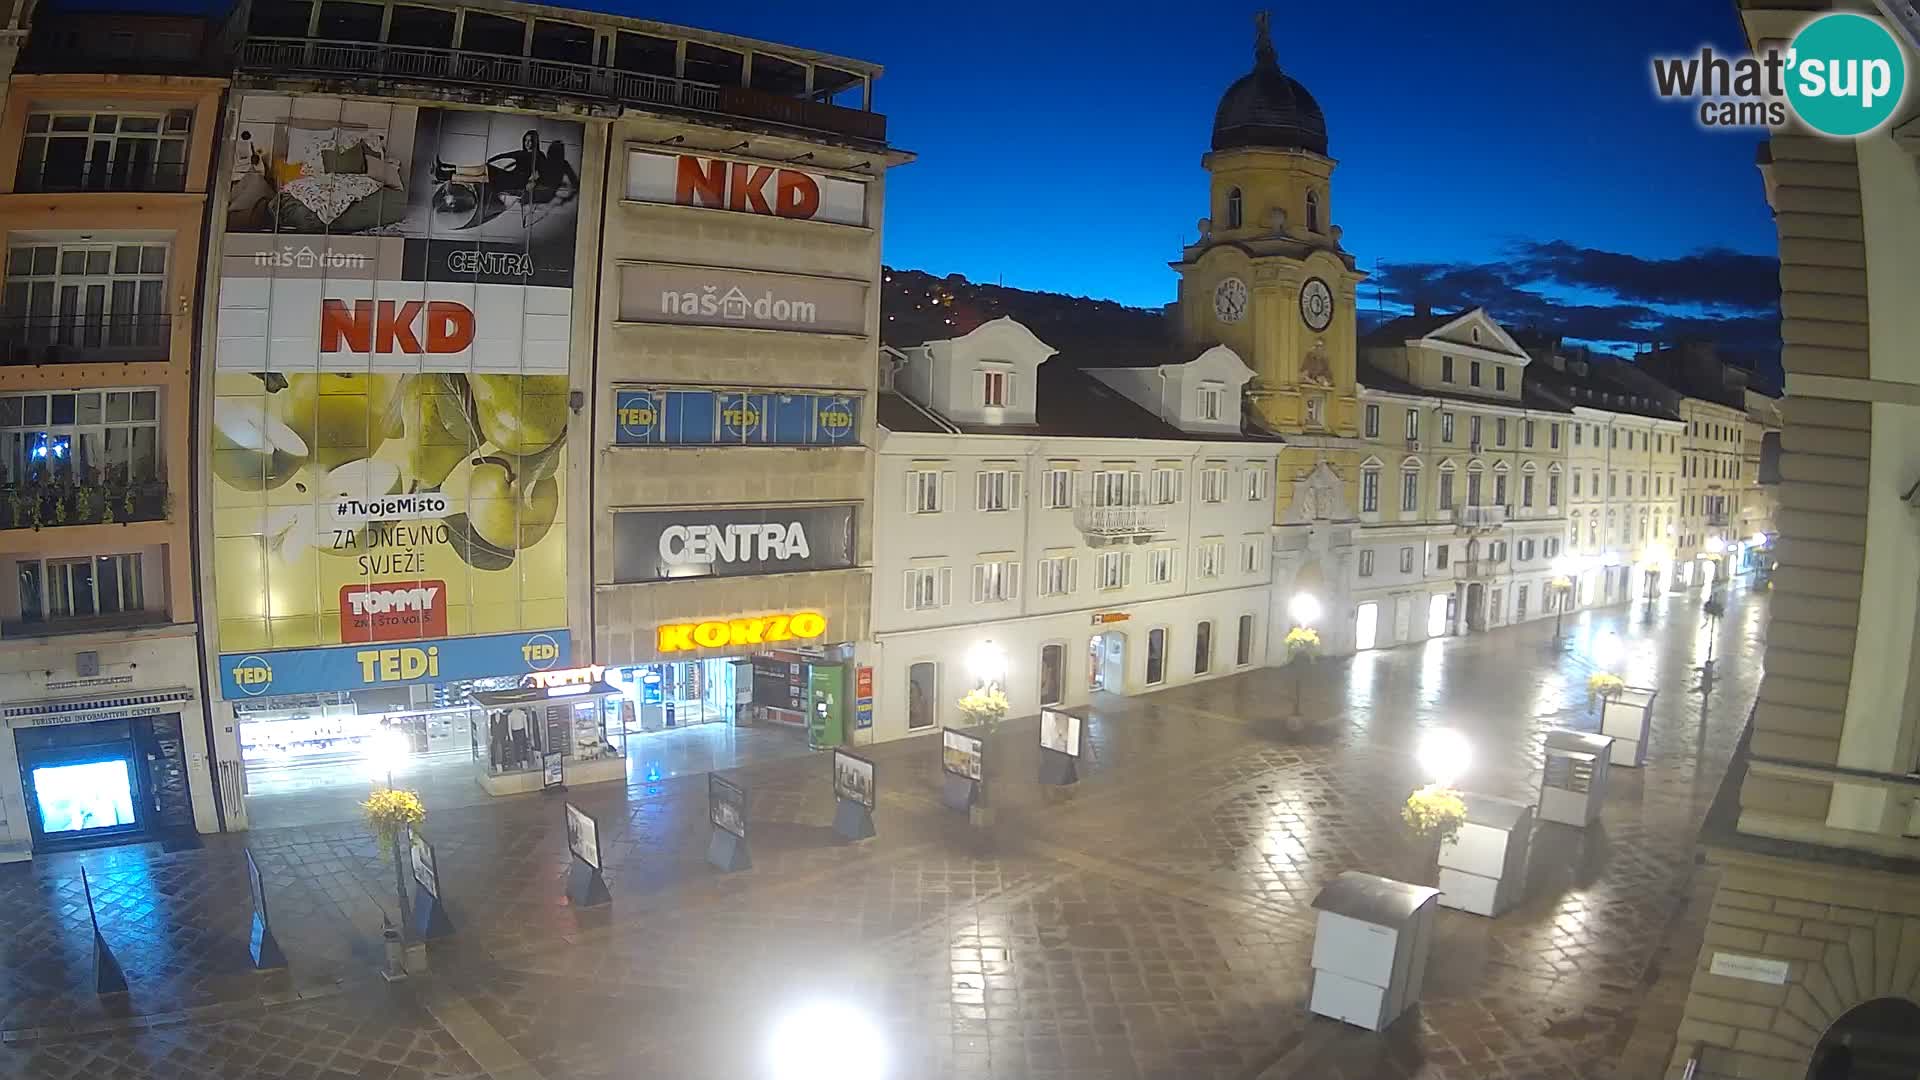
(1479, 517)
(125, 175)
(383, 61)
(1120, 524)
(1718, 519)
(85, 339)
(1480, 569)
(101, 499)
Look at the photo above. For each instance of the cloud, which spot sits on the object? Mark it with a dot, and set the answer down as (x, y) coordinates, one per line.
(1611, 299)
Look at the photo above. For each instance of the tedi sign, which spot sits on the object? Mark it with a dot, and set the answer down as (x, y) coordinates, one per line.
(655, 545)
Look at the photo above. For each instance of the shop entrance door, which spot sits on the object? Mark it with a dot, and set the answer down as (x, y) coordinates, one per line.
(1053, 660)
(84, 785)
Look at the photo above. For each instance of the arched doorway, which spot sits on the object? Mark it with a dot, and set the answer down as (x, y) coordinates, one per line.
(1476, 607)
(1879, 1040)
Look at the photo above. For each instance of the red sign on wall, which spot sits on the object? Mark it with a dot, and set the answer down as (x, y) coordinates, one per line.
(863, 682)
(393, 611)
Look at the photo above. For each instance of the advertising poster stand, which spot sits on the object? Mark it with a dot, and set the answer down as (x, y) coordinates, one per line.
(962, 770)
(727, 809)
(261, 944)
(429, 913)
(107, 976)
(1059, 748)
(586, 887)
(854, 791)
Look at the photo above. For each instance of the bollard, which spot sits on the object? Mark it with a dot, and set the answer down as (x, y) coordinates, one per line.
(396, 968)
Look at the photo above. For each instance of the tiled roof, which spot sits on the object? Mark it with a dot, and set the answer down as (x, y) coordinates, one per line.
(1374, 378)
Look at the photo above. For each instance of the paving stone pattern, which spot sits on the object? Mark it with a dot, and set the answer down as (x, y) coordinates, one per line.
(1152, 921)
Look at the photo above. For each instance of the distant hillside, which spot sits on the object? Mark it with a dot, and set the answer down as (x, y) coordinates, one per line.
(916, 306)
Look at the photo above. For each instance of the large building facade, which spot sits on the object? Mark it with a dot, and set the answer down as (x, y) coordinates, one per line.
(106, 160)
(1809, 966)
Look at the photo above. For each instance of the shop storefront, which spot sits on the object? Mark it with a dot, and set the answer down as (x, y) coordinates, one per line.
(100, 746)
(557, 728)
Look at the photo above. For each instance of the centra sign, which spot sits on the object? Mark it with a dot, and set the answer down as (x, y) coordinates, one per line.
(723, 633)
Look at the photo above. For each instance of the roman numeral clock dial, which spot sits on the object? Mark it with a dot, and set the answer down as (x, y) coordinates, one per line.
(1316, 304)
(1230, 300)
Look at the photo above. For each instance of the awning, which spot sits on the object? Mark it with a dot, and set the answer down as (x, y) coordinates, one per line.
(86, 710)
(529, 695)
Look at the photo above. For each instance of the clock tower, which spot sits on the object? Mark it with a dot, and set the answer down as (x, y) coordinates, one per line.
(1268, 277)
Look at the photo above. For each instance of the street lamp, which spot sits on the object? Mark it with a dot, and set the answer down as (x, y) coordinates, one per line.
(1562, 586)
(1305, 609)
(1444, 755)
(988, 662)
(1303, 639)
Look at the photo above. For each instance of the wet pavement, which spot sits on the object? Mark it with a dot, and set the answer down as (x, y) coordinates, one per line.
(1153, 920)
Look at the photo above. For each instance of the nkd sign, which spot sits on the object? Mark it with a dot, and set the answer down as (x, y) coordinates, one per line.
(712, 296)
(658, 545)
(744, 187)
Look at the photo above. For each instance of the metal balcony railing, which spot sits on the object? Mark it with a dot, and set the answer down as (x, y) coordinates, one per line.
(1478, 569)
(1479, 517)
(1717, 517)
(139, 176)
(384, 61)
(1120, 522)
(82, 339)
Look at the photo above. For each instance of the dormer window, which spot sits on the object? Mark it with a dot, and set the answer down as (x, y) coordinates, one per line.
(1210, 400)
(1235, 208)
(996, 389)
(1313, 211)
(1476, 335)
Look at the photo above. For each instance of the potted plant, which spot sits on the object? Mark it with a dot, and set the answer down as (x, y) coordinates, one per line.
(1434, 814)
(390, 812)
(1601, 686)
(984, 705)
(1303, 643)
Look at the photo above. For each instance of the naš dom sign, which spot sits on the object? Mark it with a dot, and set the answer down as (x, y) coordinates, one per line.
(756, 630)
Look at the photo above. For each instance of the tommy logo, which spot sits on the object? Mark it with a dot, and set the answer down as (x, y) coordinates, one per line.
(393, 611)
(388, 326)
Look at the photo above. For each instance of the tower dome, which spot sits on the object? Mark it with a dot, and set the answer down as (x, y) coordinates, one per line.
(1266, 107)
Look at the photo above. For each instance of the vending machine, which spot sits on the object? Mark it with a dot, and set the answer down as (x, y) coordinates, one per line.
(827, 698)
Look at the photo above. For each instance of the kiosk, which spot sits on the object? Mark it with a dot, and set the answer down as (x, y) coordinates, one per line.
(1626, 717)
(1483, 869)
(1574, 785)
(514, 732)
(1370, 948)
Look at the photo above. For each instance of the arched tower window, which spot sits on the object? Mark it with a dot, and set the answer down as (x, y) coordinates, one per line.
(1313, 211)
(1234, 214)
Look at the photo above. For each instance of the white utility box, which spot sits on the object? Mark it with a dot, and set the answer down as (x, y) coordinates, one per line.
(1627, 718)
(1575, 783)
(1483, 869)
(1370, 948)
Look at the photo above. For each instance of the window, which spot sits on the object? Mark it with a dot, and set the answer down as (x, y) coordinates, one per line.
(928, 587)
(1613, 438)
(1213, 484)
(89, 295)
(82, 436)
(1202, 648)
(1441, 553)
(1057, 489)
(1366, 562)
(1243, 643)
(1116, 487)
(1553, 437)
(1369, 491)
(1473, 373)
(1209, 558)
(1256, 483)
(1526, 491)
(1520, 602)
(1156, 656)
(1577, 429)
(1160, 563)
(1409, 490)
(921, 694)
(1313, 211)
(1526, 550)
(923, 486)
(108, 151)
(1473, 489)
(1552, 546)
(1372, 423)
(1058, 574)
(1413, 425)
(1113, 570)
(1576, 484)
(1250, 549)
(1446, 427)
(1446, 489)
(1499, 377)
(1446, 369)
(1500, 431)
(1612, 484)
(1406, 560)
(1166, 486)
(1500, 489)
(1526, 433)
(1210, 402)
(995, 580)
(995, 389)
(1473, 431)
(80, 588)
(1235, 208)
(996, 489)
(1553, 491)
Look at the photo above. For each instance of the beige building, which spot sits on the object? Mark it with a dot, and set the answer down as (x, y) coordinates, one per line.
(1811, 961)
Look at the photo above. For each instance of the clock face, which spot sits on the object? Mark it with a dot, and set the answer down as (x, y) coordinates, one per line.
(1230, 300)
(1316, 304)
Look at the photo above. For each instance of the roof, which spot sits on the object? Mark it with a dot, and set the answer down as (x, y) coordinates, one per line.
(1266, 107)
(1373, 378)
(896, 413)
(1407, 328)
(1069, 403)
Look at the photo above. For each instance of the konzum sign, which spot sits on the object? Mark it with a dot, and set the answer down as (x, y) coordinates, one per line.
(744, 187)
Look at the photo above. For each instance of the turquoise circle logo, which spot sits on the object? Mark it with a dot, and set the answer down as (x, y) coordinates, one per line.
(1846, 74)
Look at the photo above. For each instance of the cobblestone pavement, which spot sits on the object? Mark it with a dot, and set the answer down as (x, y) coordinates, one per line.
(1152, 921)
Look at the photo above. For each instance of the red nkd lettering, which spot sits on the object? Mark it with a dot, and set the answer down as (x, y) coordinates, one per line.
(700, 183)
(743, 187)
(387, 326)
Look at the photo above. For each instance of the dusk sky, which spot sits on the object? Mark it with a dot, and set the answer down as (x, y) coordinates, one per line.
(1505, 153)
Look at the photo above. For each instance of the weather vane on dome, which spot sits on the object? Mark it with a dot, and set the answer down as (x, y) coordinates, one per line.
(1263, 54)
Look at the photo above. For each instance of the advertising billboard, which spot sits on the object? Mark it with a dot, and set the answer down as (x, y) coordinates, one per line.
(656, 545)
(391, 392)
(744, 187)
(700, 416)
(755, 299)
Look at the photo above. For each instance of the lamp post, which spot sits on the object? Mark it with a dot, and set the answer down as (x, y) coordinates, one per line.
(1714, 608)
(988, 662)
(1303, 639)
(1562, 586)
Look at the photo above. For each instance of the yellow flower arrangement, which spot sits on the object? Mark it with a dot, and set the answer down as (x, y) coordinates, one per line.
(1434, 812)
(389, 811)
(1603, 685)
(1562, 583)
(1302, 640)
(984, 705)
